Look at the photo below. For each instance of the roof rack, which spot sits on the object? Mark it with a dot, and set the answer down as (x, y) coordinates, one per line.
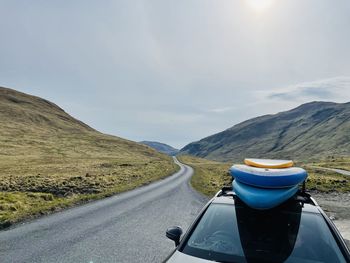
(225, 190)
(301, 196)
(303, 189)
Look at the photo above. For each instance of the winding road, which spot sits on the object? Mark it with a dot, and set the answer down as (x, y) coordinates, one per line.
(129, 227)
(339, 171)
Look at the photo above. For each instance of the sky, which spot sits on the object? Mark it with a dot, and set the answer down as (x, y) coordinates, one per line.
(175, 71)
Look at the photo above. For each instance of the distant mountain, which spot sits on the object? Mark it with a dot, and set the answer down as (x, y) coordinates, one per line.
(310, 131)
(161, 147)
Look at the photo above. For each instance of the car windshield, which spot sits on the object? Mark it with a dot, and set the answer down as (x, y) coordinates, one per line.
(228, 233)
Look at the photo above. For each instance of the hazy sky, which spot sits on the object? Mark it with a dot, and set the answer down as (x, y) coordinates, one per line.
(175, 71)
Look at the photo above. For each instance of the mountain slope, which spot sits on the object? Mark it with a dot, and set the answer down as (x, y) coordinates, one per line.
(161, 147)
(30, 125)
(310, 131)
(49, 159)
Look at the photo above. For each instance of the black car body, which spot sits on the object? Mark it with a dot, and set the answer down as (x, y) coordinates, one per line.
(227, 230)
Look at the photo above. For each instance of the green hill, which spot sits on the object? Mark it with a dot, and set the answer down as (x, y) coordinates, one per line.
(49, 159)
(309, 132)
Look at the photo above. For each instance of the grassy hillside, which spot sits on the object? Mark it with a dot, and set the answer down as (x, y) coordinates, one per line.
(50, 160)
(309, 132)
(211, 176)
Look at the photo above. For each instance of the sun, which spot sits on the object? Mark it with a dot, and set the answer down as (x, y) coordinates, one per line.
(259, 5)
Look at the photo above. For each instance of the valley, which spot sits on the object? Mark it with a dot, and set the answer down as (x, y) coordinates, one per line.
(50, 160)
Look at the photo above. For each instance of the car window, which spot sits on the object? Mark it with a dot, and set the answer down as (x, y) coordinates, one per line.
(315, 242)
(216, 235)
(228, 233)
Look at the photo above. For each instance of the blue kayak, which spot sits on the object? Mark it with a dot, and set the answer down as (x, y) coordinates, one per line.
(268, 178)
(260, 198)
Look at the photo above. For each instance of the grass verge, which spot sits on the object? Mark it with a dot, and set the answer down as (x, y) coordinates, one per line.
(31, 196)
(50, 160)
(342, 163)
(210, 176)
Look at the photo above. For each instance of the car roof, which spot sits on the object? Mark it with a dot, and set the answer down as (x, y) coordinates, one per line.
(227, 196)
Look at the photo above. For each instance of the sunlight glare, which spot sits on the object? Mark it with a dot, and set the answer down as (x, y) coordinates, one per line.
(259, 5)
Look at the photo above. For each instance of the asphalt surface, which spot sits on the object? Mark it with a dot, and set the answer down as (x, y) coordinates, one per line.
(128, 227)
(339, 171)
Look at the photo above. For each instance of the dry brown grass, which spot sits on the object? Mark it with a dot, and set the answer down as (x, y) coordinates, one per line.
(335, 162)
(210, 176)
(49, 160)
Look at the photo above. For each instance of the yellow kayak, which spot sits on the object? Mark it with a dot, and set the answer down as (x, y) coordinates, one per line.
(269, 163)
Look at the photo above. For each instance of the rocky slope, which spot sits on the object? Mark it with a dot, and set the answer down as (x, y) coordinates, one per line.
(310, 131)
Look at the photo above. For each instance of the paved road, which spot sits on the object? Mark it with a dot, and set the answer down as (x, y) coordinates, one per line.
(128, 227)
(339, 171)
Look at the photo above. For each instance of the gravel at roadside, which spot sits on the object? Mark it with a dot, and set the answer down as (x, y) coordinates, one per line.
(337, 207)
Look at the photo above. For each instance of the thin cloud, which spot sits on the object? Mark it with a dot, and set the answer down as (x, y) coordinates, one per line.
(220, 110)
(326, 89)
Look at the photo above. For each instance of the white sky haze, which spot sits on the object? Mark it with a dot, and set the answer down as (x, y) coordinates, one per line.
(175, 71)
